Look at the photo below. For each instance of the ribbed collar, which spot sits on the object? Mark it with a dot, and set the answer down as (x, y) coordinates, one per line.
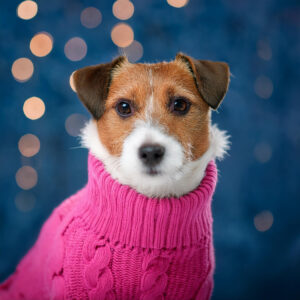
(122, 215)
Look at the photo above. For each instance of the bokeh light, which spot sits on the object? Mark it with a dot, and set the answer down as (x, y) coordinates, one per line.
(25, 201)
(123, 9)
(134, 51)
(263, 87)
(41, 44)
(22, 69)
(122, 35)
(71, 82)
(29, 145)
(75, 49)
(90, 17)
(263, 221)
(34, 108)
(264, 50)
(26, 177)
(178, 3)
(263, 152)
(27, 10)
(74, 123)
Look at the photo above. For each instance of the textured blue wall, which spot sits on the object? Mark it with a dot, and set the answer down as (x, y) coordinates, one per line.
(259, 40)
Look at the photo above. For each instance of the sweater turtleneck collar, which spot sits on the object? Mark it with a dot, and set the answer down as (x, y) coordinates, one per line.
(122, 215)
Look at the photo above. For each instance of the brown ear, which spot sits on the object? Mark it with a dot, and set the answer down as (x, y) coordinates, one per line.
(211, 78)
(92, 85)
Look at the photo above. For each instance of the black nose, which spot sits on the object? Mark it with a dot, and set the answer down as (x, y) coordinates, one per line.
(151, 155)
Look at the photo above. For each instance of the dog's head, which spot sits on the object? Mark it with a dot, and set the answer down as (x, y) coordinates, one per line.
(151, 122)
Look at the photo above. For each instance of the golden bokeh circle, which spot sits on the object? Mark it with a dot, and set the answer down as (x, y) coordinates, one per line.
(34, 108)
(22, 69)
(27, 10)
(74, 124)
(263, 221)
(25, 201)
(123, 10)
(71, 82)
(133, 52)
(90, 17)
(122, 35)
(41, 44)
(75, 49)
(26, 177)
(178, 3)
(29, 145)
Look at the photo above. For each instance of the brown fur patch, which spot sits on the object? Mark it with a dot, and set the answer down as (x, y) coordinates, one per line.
(133, 82)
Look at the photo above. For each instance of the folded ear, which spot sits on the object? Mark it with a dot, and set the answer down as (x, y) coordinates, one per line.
(211, 78)
(92, 85)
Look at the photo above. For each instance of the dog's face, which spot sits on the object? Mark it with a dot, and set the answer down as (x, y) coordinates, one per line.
(152, 120)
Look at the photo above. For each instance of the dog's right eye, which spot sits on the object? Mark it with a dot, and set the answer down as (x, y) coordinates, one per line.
(124, 108)
(179, 105)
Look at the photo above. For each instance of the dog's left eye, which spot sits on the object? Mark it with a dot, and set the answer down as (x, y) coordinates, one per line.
(179, 105)
(124, 108)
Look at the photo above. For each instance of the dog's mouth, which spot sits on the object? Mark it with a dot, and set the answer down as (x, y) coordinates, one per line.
(152, 172)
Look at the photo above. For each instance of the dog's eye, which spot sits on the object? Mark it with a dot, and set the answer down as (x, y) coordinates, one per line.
(179, 105)
(124, 108)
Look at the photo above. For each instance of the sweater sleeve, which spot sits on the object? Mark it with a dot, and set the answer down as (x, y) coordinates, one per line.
(31, 279)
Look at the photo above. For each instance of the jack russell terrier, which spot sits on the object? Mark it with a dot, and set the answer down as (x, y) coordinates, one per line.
(141, 228)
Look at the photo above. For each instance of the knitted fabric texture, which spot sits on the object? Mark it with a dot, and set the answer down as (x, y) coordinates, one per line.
(110, 242)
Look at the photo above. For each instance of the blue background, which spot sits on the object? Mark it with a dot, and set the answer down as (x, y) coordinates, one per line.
(261, 171)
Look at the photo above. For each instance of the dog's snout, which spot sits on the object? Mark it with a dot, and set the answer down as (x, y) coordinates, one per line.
(151, 155)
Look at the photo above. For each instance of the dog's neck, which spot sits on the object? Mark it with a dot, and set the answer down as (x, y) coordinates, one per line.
(190, 176)
(120, 213)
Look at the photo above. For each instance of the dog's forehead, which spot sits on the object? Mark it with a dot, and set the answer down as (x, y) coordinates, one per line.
(149, 77)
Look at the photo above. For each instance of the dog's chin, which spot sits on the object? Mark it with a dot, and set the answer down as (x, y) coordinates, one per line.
(152, 183)
(158, 183)
(152, 172)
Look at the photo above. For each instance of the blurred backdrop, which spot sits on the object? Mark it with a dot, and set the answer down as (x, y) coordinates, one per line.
(257, 202)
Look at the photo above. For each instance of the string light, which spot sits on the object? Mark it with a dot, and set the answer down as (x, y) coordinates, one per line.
(29, 145)
(22, 69)
(122, 35)
(27, 10)
(41, 44)
(26, 177)
(134, 51)
(74, 123)
(263, 221)
(34, 108)
(123, 9)
(263, 87)
(178, 3)
(90, 17)
(75, 49)
(25, 201)
(71, 82)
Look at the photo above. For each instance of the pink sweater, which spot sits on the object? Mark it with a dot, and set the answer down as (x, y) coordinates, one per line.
(109, 242)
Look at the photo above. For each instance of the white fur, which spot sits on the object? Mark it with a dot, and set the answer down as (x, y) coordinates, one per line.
(177, 174)
(150, 105)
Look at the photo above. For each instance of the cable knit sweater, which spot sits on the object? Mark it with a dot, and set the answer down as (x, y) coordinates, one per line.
(110, 242)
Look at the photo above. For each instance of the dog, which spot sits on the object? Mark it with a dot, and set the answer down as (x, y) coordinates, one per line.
(142, 227)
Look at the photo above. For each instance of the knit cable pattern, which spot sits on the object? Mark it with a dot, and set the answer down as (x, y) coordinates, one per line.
(97, 274)
(110, 242)
(154, 280)
(55, 262)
